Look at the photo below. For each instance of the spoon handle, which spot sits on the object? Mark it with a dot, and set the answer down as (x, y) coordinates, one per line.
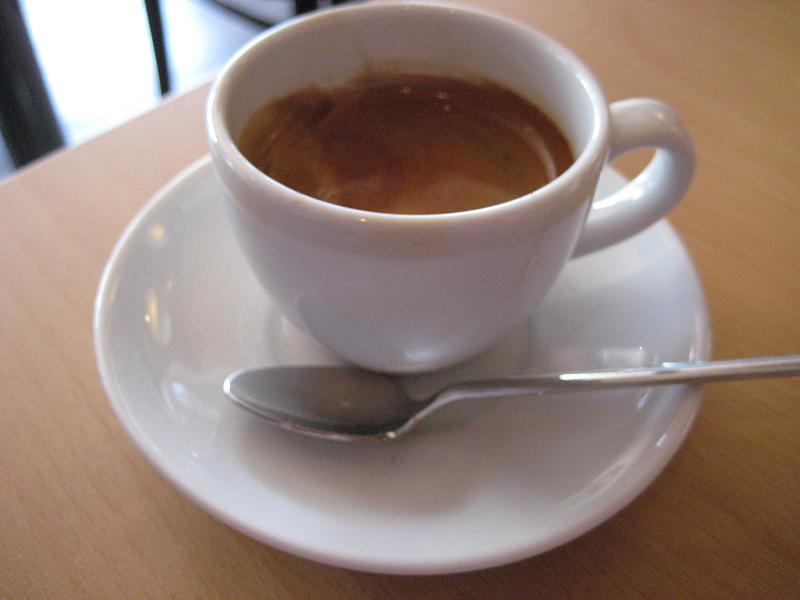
(671, 372)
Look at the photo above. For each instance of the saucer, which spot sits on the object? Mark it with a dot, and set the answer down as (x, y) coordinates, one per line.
(478, 486)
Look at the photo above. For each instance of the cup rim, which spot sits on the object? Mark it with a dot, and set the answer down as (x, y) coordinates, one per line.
(224, 148)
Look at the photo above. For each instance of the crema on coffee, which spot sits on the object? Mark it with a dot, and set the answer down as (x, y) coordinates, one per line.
(407, 143)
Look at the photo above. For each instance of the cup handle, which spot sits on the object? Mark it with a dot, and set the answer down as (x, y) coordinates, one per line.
(641, 123)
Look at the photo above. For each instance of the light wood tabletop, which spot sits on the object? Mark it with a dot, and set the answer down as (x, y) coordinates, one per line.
(84, 515)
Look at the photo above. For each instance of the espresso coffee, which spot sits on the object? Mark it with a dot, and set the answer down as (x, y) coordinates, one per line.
(407, 143)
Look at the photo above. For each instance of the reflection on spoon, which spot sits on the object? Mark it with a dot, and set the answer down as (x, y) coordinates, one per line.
(349, 404)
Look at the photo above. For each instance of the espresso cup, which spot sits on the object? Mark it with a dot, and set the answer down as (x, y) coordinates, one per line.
(408, 293)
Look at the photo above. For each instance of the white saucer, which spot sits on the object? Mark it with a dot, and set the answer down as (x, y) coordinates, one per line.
(178, 309)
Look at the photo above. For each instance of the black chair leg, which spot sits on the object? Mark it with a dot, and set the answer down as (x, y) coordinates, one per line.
(27, 120)
(153, 9)
(304, 6)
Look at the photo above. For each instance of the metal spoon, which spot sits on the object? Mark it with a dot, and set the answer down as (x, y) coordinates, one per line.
(348, 404)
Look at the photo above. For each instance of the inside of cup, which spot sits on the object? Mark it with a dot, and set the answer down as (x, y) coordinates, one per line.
(332, 47)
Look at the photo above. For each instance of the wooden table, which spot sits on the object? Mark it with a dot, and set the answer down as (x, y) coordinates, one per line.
(83, 515)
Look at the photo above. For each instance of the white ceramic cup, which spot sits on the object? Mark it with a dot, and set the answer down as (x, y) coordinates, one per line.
(407, 293)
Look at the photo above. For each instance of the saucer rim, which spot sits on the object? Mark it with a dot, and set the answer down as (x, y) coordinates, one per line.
(691, 396)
